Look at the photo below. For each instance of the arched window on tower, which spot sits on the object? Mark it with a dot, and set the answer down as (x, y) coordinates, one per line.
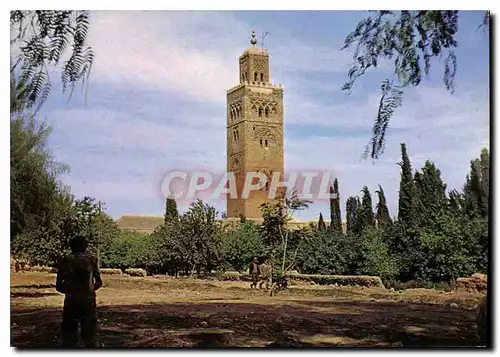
(262, 77)
(255, 77)
(260, 142)
(267, 112)
(265, 143)
(260, 112)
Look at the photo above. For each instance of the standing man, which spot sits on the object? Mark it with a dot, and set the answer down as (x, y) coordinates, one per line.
(266, 274)
(78, 278)
(254, 272)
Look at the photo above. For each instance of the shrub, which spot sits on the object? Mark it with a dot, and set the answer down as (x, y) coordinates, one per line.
(136, 272)
(44, 269)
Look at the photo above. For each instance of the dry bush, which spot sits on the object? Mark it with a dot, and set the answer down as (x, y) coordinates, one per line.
(476, 283)
(136, 272)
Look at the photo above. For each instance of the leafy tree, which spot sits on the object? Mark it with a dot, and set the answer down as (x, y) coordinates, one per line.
(240, 245)
(382, 214)
(41, 39)
(171, 213)
(476, 189)
(35, 192)
(321, 223)
(200, 232)
(276, 214)
(127, 249)
(375, 257)
(412, 39)
(449, 245)
(336, 220)
(325, 252)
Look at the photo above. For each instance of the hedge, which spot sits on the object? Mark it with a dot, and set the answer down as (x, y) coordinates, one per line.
(230, 276)
(368, 281)
(349, 280)
(43, 269)
(136, 272)
(110, 271)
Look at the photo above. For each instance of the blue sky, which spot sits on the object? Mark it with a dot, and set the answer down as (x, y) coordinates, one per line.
(157, 93)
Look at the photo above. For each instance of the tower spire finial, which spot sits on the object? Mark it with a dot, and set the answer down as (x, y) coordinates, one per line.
(253, 41)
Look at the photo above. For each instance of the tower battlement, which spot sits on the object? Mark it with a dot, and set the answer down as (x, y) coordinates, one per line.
(255, 84)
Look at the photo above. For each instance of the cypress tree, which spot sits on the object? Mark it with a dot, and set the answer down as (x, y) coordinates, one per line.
(366, 212)
(382, 215)
(321, 223)
(473, 189)
(430, 197)
(335, 214)
(484, 164)
(406, 201)
(351, 214)
(171, 213)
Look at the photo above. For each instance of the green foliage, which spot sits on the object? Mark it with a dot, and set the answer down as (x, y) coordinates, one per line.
(374, 254)
(127, 249)
(476, 189)
(407, 192)
(352, 204)
(277, 235)
(430, 199)
(34, 187)
(382, 211)
(171, 213)
(335, 214)
(365, 211)
(321, 223)
(240, 245)
(42, 38)
(412, 39)
(325, 252)
(192, 243)
(454, 247)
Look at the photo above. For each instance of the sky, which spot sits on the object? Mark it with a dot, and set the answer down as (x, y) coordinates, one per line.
(156, 103)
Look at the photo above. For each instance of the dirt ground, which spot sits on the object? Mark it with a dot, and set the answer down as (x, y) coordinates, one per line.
(166, 312)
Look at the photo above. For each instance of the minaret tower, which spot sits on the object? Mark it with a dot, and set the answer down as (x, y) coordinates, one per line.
(254, 129)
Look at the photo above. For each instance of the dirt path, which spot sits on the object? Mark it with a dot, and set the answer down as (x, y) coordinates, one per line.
(181, 313)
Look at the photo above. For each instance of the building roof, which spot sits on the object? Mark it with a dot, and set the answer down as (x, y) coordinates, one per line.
(140, 223)
(147, 224)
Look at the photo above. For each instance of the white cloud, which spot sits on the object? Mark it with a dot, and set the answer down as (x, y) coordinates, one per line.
(191, 53)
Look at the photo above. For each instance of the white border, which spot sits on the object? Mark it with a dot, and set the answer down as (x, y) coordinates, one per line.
(193, 5)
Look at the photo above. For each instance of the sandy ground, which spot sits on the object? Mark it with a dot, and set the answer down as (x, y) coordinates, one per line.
(164, 312)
